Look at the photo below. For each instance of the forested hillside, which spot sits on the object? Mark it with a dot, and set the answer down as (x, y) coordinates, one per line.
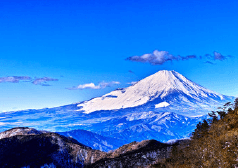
(214, 143)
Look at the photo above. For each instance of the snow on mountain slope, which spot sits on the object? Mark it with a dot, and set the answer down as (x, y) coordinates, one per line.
(168, 86)
(162, 104)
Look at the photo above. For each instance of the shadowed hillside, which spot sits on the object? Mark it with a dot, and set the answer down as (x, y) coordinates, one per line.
(44, 149)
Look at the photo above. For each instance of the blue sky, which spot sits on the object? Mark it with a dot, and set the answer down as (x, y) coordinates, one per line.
(50, 49)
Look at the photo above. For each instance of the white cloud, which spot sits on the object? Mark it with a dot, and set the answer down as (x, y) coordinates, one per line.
(101, 85)
(88, 86)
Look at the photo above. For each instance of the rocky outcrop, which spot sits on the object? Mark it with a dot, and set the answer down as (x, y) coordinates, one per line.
(20, 131)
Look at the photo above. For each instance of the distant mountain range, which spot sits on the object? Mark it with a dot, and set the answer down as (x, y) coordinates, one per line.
(163, 106)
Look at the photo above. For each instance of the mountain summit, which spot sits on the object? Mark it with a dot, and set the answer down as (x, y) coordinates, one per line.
(162, 89)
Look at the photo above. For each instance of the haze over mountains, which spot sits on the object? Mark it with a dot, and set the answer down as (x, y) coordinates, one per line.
(163, 106)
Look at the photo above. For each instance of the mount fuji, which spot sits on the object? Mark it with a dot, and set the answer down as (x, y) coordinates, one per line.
(162, 91)
(163, 106)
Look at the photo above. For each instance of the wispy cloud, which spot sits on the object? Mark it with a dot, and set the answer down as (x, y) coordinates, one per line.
(35, 81)
(43, 81)
(216, 56)
(160, 57)
(209, 62)
(155, 58)
(130, 71)
(132, 83)
(14, 79)
(101, 85)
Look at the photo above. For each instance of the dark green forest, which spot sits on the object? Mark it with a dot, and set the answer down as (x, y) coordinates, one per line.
(213, 144)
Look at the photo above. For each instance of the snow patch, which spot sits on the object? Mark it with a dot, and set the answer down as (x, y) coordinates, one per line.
(162, 104)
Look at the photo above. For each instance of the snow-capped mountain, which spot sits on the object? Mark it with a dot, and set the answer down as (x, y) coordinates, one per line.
(163, 106)
(163, 89)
